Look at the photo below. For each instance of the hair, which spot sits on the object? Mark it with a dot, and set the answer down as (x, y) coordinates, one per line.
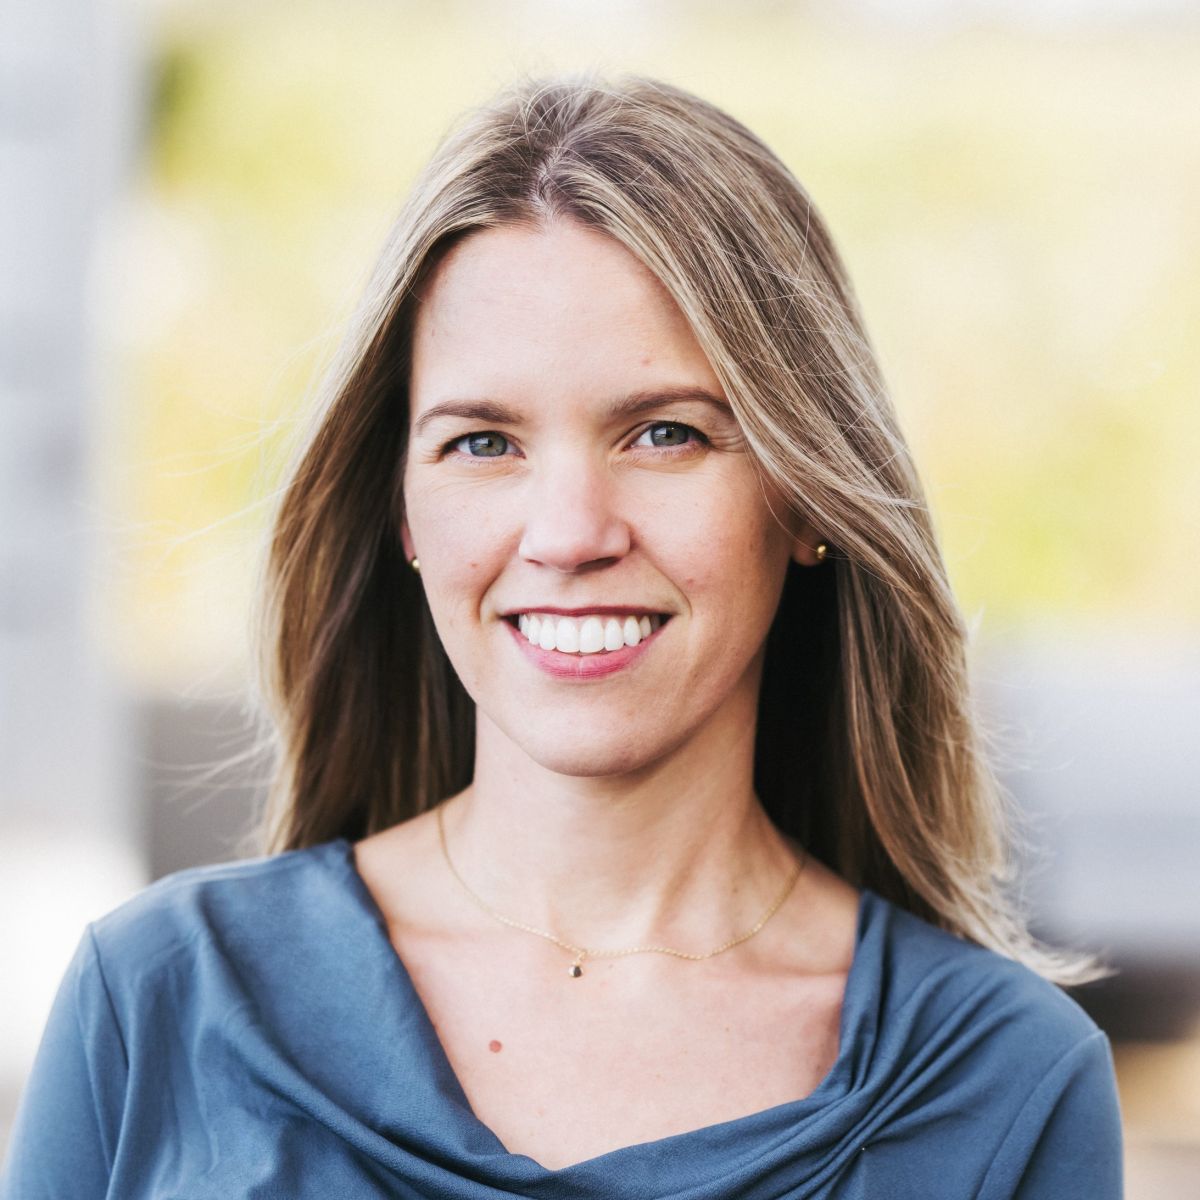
(867, 655)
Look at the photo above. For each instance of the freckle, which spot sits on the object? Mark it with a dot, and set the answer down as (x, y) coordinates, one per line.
(494, 1046)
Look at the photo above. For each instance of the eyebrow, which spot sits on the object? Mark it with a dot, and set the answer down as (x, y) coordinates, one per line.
(632, 405)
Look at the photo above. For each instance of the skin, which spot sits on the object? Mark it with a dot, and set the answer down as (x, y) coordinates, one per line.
(620, 810)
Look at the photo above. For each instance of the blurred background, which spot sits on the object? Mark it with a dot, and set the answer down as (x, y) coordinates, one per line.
(191, 193)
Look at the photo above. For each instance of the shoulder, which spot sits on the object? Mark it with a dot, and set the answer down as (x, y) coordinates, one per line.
(237, 910)
(967, 1073)
(937, 989)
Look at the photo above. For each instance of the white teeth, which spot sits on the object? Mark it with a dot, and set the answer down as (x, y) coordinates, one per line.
(591, 636)
(566, 636)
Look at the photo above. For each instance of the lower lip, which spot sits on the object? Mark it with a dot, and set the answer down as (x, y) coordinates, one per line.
(581, 666)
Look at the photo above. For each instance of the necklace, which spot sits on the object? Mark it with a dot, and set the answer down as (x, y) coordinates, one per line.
(581, 952)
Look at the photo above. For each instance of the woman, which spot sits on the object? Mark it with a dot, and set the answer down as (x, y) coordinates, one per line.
(636, 835)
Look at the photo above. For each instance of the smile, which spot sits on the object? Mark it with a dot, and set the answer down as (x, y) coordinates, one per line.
(587, 634)
(576, 664)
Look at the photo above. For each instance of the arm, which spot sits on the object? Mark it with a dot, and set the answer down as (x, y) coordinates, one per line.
(1066, 1142)
(64, 1139)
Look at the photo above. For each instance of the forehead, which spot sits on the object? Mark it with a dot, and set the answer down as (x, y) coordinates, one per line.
(560, 305)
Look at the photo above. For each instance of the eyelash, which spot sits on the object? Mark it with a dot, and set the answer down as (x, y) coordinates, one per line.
(449, 447)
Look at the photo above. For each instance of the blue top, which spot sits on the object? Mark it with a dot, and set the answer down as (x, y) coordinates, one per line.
(248, 1031)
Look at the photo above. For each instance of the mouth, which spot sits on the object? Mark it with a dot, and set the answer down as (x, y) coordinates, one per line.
(587, 634)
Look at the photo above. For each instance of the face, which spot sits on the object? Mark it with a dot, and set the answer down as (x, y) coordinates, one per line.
(572, 455)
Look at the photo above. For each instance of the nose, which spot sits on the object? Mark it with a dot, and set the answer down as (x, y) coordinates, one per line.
(571, 517)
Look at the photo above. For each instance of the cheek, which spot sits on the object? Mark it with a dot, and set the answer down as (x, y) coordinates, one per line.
(461, 545)
(725, 549)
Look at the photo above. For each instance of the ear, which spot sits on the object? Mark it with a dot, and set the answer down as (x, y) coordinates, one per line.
(805, 543)
(406, 540)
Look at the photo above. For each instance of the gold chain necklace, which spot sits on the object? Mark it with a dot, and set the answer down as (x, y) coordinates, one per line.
(582, 952)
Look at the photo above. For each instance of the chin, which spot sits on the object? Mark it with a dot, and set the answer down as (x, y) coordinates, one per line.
(591, 761)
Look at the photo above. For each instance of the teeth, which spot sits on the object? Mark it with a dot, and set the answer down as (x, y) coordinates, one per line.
(587, 635)
(566, 637)
(591, 636)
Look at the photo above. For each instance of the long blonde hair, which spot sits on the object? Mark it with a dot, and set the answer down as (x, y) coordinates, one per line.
(866, 666)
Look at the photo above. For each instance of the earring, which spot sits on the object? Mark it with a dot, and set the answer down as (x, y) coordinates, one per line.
(821, 551)
(415, 563)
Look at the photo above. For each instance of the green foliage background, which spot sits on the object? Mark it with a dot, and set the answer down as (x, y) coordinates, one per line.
(1018, 209)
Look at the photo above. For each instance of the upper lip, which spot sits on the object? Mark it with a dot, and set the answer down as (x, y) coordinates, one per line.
(614, 610)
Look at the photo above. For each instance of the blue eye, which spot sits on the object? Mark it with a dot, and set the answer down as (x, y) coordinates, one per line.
(671, 433)
(481, 445)
(488, 443)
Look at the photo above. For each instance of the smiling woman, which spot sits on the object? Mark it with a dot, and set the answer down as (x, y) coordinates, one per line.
(631, 832)
(570, 514)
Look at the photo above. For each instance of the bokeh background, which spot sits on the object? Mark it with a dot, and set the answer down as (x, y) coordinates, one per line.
(192, 192)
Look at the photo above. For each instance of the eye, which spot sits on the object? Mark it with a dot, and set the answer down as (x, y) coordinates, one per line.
(669, 434)
(486, 444)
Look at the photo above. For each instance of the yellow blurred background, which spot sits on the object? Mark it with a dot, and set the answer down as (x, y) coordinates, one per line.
(1014, 188)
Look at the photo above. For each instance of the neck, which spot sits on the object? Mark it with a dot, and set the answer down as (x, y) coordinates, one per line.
(680, 853)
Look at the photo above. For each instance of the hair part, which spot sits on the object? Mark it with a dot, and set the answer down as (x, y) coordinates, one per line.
(867, 656)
